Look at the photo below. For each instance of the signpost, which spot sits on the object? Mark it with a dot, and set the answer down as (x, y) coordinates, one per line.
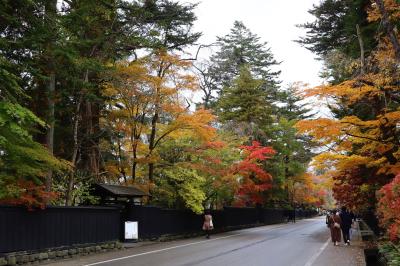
(131, 230)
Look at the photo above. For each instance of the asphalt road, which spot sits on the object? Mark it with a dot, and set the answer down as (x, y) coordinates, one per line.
(275, 245)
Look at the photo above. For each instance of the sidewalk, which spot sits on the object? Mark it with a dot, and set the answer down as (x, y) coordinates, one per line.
(343, 255)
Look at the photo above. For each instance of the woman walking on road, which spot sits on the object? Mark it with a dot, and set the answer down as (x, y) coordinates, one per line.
(208, 224)
(334, 224)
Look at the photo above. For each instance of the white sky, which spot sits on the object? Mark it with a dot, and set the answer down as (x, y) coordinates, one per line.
(272, 20)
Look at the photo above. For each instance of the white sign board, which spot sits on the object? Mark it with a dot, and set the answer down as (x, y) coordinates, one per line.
(131, 230)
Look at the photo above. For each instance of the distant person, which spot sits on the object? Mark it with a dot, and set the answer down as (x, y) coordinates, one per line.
(290, 214)
(208, 223)
(334, 224)
(347, 220)
(328, 214)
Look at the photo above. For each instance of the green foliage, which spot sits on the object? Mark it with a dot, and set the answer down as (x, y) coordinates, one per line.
(334, 28)
(181, 186)
(292, 105)
(245, 101)
(212, 161)
(21, 158)
(391, 253)
(241, 48)
(338, 66)
(292, 157)
(81, 192)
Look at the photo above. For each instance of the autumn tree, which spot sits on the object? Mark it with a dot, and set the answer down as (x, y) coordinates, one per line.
(221, 172)
(60, 51)
(137, 94)
(308, 190)
(215, 161)
(388, 208)
(361, 145)
(254, 180)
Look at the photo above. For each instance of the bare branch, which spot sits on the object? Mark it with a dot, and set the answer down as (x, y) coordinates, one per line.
(198, 51)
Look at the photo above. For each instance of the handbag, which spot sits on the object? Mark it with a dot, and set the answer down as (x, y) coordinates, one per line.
(211, 225)
(336, 225)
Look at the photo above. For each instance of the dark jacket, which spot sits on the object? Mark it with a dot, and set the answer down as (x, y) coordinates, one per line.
(346, 218)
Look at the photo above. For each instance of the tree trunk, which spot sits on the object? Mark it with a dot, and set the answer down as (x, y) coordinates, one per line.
(120, 166)
(286, 160)
(134, 163)
(50, 12)
(51, 123)
(152, 142)
(389, 28)
(154, 122)
(90, 146)
(90, 131)
(362, 53)
(68, 200)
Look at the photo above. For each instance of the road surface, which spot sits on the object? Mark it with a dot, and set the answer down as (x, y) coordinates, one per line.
(284, 244)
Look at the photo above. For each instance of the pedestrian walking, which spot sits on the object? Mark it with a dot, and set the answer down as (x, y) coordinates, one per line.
(347, 221)
(334, 224)
(208, 223)
(328, 214)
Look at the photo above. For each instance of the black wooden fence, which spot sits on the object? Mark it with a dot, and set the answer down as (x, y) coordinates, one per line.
(56, 227)
(23, 230)
(154, 221)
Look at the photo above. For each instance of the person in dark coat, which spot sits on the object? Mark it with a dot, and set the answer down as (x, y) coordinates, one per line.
(334, 224)
(347, 220)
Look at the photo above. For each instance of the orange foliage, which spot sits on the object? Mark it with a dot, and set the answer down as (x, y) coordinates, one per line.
(361, 150)
(392, 6)
(149, 89)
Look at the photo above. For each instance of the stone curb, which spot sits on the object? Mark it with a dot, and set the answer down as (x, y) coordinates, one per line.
(35, 258)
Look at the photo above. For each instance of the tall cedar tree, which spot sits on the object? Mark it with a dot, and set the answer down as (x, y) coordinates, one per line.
(243, 105)
(294, 151)
(238, 49)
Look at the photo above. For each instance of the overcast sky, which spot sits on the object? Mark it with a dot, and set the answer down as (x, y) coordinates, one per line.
(272, 20)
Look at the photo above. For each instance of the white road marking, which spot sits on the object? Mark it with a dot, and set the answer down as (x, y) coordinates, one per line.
(180, 246)
(311, 261)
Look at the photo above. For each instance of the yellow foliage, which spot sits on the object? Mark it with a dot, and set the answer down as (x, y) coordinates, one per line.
(150, 88)
(324, 130)
(392, 6)
(330, 160)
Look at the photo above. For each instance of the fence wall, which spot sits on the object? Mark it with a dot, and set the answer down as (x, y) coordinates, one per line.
(56, 227)
(154, 221)
(23, 230)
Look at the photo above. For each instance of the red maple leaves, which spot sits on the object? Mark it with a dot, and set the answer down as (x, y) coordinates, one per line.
(254, 179)
(30, 195)
(389, 208)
